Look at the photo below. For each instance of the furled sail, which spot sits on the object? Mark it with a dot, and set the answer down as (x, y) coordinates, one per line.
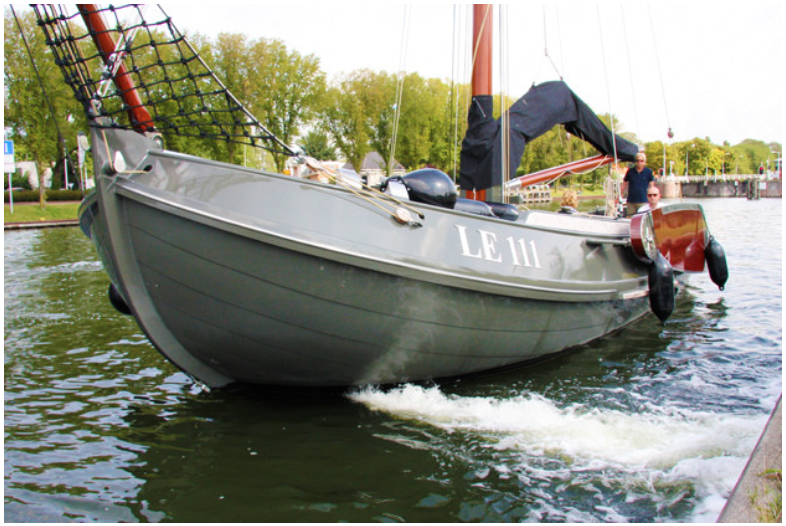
(540, 109)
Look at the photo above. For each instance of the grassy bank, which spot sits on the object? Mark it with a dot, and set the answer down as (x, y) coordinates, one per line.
(24, 213)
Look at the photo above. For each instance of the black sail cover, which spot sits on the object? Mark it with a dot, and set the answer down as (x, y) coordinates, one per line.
(540, 109)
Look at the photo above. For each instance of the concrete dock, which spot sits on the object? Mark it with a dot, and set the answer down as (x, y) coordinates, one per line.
(759, 485)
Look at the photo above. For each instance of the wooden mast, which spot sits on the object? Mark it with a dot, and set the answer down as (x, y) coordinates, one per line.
(482, 76)
(482, 62)
(482, 49)
(138, 114)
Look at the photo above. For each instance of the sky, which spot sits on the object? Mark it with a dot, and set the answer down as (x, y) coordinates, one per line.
(699, 68)
(702, 69)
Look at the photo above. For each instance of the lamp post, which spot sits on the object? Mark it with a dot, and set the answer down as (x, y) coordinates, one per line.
(687, 159)
(778, 162)
(670, 135)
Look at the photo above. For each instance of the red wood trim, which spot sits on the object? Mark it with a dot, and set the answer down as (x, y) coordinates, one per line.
(550, 174)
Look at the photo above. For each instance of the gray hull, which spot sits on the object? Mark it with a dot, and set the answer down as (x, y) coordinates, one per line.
(245, 276)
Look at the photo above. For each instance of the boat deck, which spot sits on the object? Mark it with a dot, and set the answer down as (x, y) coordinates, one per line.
(579, 223)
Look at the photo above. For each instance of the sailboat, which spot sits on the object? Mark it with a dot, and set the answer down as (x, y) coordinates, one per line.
(238, 275)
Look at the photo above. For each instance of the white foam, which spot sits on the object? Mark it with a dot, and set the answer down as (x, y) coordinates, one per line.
(657, 437)
(654, 448)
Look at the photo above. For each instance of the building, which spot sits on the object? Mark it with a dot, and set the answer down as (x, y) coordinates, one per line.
(373, 169)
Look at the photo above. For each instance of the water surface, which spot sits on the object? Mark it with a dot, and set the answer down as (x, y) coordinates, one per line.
(654, 423)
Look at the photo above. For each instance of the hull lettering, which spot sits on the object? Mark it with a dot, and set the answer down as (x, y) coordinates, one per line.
(482, 244)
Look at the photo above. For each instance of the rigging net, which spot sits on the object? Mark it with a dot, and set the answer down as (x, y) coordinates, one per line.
(175, 92)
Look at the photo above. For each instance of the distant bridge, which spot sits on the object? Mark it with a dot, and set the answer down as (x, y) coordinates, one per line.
(737, 185)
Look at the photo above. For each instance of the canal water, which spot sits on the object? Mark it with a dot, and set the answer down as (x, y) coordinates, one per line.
(654, 423)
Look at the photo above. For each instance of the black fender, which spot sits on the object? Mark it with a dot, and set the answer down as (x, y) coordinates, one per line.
(661, 283)
(715, 257)
(117, 301)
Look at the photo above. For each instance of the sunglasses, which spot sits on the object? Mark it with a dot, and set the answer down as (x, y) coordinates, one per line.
(652, 195)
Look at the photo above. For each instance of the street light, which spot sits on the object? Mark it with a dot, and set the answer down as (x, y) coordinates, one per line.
(670, 135)
(778, 162)
(687, 162)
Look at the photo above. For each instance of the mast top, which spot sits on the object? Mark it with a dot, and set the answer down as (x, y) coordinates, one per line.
(482, 48)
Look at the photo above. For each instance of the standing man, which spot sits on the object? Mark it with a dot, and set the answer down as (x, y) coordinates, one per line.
(636, 182)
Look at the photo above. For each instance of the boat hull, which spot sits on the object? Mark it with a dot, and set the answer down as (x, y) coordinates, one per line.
(241, 276)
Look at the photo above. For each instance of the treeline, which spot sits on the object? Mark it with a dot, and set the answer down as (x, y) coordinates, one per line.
(705, 158)
(345, 117)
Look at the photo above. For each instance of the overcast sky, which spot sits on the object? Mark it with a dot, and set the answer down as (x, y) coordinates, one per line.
(704, 69)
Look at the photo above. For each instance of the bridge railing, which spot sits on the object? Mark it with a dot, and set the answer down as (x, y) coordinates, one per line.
(713, 178)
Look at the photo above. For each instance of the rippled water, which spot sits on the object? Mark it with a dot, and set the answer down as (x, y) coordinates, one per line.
(654, 423)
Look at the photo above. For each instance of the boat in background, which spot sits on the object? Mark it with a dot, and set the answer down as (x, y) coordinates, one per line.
(242, 275)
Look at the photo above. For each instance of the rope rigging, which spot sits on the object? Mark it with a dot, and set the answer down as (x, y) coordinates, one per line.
(606, 75)
(660, 74)
(40, 82)
(169, 78)
(504, 73)
(630, 72)
(154, 60)
(546, 43)
(399, 87)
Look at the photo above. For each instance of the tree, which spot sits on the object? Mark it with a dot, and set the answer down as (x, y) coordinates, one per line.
(383, 89)
(286, 90)
(35, 110)
(557, 147)
(751, 154)
(317, 145)
(366, 115)
(353, 106)
(424, 128)
(449, 129)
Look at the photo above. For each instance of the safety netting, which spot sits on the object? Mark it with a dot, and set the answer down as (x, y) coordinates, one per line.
(131, 68)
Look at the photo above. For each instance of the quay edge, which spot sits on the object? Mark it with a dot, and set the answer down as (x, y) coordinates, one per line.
(40, 224)
(766, 459)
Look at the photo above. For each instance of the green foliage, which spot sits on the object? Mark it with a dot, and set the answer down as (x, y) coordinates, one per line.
(27, 117)
(317, 145)
(51, 195)
(750, 154)
(18, 180)
(557, 147)
(424, 106)
(355, 114)
(285, 89)
(705, 158)
(352, 115)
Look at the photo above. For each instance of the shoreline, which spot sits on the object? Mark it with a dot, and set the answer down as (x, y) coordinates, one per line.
(54, 223)
(758, 488)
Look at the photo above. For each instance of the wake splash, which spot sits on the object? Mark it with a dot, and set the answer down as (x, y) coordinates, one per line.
(644, 459)
(658, 437)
